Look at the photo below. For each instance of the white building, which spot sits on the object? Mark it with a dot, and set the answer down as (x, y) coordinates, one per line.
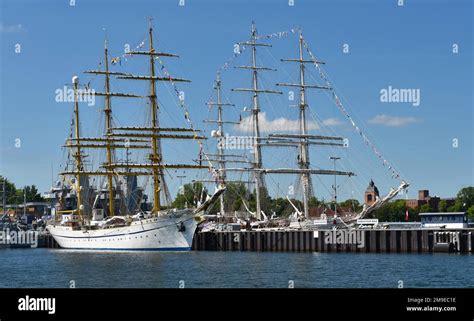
(452, 220)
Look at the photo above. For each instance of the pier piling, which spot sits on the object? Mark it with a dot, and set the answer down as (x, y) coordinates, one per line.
(375, 241)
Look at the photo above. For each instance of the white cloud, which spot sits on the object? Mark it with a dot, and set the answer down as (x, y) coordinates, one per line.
(280, 124)
(392, 121)
(11, 28)
(332, 122)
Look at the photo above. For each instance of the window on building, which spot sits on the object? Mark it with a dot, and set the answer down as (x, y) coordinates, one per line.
(369, 198)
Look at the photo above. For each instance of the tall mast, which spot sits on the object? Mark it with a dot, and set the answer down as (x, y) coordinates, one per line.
(108, 130)
(303, 140)
(257, 160)
(256, 127)
(77, 155)
(154, 131)
(221, 157)
(304, 153)
(220, 147)
(155, 157)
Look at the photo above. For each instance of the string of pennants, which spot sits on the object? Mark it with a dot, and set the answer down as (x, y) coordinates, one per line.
(118, 59)
(231, 59)
(280, 34)
(242, 48)
(226, 65)
(385, 162)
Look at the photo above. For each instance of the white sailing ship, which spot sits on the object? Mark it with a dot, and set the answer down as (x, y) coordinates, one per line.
(103, 222)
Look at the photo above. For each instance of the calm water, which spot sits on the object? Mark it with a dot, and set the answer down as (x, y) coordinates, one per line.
(55, 268)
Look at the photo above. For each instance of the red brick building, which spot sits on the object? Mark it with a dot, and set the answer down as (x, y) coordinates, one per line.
(425, 198)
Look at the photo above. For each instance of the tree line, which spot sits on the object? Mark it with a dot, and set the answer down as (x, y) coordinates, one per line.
(14, 195)
(235, 193)
(394, 211)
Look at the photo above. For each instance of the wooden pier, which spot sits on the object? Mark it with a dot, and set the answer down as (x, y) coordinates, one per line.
(47, 240)
(363, 241)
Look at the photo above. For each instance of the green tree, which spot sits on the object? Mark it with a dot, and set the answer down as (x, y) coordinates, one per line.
(314, 202)
(279, 206)
(425, 208)
(470, 213)
(442, 206)
(283, 208)
(32, 194)
(265, 200)
(465, 198)
(233, 196)
(10, 191)
(16, 196)
(455, 208)
(353, 204)
(395, 212)
(189, 195)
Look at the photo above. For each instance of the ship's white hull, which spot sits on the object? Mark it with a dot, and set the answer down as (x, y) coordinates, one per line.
(165, 233)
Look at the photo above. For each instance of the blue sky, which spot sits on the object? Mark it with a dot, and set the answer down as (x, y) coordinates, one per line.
(409, 46)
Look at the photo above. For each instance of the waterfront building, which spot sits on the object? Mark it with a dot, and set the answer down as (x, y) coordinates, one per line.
(37, 209)
(451, 220)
